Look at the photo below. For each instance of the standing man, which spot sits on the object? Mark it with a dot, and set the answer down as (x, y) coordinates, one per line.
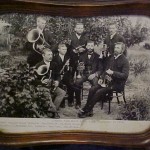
(118, 71)
(48, 77)
(76, 49)
(112, 38)
(43, 39)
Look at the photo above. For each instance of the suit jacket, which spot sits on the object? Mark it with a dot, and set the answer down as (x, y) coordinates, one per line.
(67, 74)
(92, 64)
(54, 72)
(120, 67)
(75, 42)
(111, 42)
(59, 61)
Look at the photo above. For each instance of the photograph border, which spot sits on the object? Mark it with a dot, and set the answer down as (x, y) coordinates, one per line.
(77, 9)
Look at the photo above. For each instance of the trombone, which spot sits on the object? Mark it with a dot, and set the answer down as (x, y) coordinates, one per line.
(34, 36)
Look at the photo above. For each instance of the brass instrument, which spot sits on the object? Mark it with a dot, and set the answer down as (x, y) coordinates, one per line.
(80, 68)
(34, 36)
(104, 52)
(106, 81)
(66, 64)
(43, 70)
(76, 50)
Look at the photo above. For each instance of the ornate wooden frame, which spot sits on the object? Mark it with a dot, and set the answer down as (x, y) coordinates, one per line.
(78, 8)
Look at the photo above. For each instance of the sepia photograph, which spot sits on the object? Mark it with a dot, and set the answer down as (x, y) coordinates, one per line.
(72, 68)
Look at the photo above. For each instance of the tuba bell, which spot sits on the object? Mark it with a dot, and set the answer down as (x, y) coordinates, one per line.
(42, 70)
(35, 37)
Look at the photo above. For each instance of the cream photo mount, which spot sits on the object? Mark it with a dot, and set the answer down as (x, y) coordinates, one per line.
(31, 131)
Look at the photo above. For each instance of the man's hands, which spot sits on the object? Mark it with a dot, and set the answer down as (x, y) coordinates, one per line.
(48, 82)
(56, 83)
(92, 76)
(40, 47)
(109, 71)
(79, 50)
(100, 81)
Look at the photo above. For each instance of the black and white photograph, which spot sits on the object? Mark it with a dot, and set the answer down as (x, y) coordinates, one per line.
(75, 67)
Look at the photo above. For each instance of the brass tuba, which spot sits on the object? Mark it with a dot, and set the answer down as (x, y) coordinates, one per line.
(35, 37)
(43, 70)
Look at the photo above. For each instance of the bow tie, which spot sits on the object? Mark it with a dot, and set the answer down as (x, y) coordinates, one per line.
(90, 53)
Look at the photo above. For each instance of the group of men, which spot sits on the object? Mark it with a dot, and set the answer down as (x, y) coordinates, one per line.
(69, 66)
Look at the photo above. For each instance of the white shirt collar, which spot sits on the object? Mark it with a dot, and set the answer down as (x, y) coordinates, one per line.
(61, 56)
(41, 31)
(89, 56)
(78, 36)
(47, 63)
(117, 56)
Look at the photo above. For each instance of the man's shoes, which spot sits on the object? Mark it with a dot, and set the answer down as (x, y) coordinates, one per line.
(83, 114)
(56, 115)
(77, 106)
(90, 114)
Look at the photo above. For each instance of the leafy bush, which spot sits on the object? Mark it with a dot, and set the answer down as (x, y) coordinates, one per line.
(138, 64)
(20, 97)
(137, 108)
(5, 60)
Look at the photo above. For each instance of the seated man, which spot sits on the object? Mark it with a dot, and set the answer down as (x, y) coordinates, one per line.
(118, 71)
(90, 60)
(48, 77)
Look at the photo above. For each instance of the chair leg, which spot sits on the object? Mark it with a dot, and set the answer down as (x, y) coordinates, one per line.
(109, 106)
(124, 97)
(102, 103)
(117, 98)
(82, 93)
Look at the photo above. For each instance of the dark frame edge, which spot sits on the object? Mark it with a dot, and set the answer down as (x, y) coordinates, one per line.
(136, 7)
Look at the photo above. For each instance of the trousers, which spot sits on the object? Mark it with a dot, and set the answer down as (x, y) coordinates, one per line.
(96, 93)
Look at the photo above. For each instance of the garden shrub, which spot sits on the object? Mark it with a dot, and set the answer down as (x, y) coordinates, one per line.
(20, 96)
(137, 107)
(138, 64)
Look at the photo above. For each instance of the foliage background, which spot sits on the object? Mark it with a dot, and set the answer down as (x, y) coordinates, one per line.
(61, 29)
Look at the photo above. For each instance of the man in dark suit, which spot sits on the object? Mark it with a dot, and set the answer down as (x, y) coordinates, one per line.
(112, 38)
(118, 71)
(77, 46)
(90, 59)
(48, 77)
(45, 40)
(63, 67)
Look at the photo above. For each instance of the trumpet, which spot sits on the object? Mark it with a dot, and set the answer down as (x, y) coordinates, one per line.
(80, 68)
(34, 36)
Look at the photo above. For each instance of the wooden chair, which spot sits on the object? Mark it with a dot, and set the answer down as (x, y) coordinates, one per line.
(110, 97)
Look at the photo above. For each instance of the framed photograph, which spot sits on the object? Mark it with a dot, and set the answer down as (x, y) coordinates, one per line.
(75, 72)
